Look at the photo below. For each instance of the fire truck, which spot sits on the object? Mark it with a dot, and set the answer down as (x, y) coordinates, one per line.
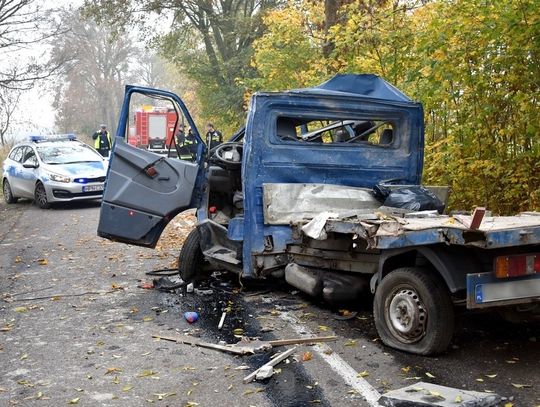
(153, 129)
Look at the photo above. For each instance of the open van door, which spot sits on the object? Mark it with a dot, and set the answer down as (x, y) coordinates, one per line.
(144, 190)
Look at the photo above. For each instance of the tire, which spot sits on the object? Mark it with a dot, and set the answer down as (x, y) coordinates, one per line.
(191, 258)
(40, 196)
(413, 311)
(8, 194)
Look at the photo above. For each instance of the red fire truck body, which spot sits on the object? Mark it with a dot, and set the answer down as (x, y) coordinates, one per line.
(153, 128)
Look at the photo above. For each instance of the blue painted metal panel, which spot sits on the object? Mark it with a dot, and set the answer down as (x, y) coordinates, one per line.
(477, 282)
(268, 159)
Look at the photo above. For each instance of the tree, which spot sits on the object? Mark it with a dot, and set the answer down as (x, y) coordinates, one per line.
(25, 23)
(209, 40)
(474, 66)
(9, 101)
(90, 91)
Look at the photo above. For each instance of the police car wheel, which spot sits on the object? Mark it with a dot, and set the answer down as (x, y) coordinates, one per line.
(8, 194)
(40, 196)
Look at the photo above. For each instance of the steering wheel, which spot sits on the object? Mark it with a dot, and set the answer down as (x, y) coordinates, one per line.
(229, 155)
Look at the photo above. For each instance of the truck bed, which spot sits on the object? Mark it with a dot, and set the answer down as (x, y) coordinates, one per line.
(383, 231)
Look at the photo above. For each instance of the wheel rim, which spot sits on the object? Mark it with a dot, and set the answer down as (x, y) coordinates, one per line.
(7, 192)
(41, 195)
(406, 315)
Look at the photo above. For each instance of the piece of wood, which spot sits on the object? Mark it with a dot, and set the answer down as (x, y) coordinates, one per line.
(222, 320)
(237, 350)
(298, 341)
(249, 378)
(477, 217)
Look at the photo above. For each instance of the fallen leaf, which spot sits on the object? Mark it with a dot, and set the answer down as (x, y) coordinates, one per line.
(458, 399)
(18, 259)
(430, 375)
(147, 319)
(247, 392)
(491, 376)
(323, 328)
(238, 331)
(363, 374)
(20, 309)
(115, 286)
(509, 405)
(113, 370)
(436, 394)
(307, 356)
(127, 387)
(521, 386)
(79, 390)
(480, 380)
(116, 380)
(44, 262)
(25, 356)
(74, 401)
(350, 342)
(147, 373)
(406, 369)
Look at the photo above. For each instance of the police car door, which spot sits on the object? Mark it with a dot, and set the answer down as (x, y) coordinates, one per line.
(28, 172)
(144, 190)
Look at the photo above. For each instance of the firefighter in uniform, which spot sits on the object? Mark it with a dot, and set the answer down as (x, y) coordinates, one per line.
(213, 136)
(190, 143)
(102, 141)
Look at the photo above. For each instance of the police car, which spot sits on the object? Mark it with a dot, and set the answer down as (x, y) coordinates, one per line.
(53, 169)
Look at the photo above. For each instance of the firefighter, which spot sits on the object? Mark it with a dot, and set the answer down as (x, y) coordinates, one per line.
(213, 136)
(190, 143)
(102, 140)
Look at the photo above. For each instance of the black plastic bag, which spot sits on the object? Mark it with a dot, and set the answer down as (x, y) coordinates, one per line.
(414, 198)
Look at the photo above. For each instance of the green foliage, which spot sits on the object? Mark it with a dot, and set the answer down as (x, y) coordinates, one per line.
(473, 64)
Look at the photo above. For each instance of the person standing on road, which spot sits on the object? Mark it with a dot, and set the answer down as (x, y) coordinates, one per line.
(102, 140)
(213, 136)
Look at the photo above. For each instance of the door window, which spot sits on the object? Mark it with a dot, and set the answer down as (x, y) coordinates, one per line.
(16, 154)
(158, 125)
(371, 131)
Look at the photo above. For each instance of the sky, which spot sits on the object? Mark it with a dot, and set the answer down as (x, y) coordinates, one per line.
(35, 114)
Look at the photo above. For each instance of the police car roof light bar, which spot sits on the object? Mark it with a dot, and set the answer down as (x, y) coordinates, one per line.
(53, 137)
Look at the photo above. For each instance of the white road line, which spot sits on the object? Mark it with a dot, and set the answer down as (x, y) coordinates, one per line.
(336, 362)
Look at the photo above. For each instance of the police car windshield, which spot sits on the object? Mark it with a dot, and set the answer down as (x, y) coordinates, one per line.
(67, 153)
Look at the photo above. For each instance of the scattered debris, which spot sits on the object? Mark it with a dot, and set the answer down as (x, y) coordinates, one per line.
(203, 292)
(277, 359)
(191, 316)
(344, 315)
(189, 288)
(429, 394)
(166, 284)
(264, 372)
(245, 346)
(222, 320)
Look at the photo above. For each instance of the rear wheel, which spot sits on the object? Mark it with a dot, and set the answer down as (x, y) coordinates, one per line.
(40, 196)
(413, 311)
(8, 194)
(191, 259)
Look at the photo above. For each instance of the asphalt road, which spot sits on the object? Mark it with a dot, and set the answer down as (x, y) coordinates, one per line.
(75, 328)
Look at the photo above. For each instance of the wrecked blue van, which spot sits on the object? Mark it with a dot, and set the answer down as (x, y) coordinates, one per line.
(290, 196)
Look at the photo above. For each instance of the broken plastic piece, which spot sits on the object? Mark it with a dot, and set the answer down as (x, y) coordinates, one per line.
(191, 316)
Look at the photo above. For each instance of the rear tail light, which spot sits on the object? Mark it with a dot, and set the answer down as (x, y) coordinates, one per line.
(517, 265)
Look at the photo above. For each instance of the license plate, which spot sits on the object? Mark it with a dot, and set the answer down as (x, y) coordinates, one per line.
(92, 188)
